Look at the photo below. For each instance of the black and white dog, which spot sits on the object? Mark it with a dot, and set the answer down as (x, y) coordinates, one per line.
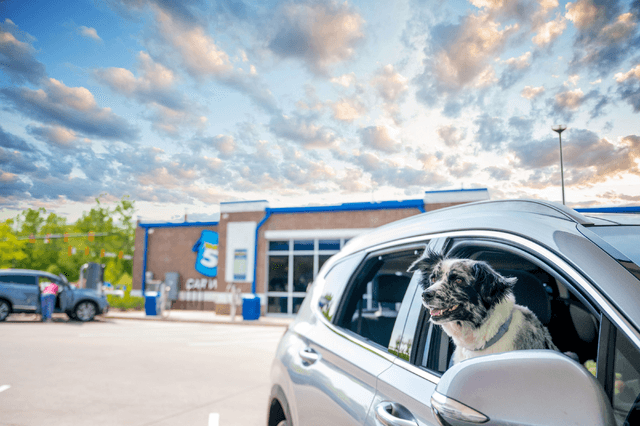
(476, 307)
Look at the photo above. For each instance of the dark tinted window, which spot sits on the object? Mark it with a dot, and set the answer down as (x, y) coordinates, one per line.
(329, 245)
(18, 279)
(334, 284)
(303, 245)
(626, 394)
(376, 294)
(279, 245)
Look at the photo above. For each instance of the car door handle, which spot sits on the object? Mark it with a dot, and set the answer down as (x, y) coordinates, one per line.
(309, 356)
(393, 414)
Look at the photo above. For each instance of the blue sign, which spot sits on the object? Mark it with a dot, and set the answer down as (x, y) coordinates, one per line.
(207, 248)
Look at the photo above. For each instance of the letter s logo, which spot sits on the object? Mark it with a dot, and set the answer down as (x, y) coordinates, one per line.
(209, 258)
(207, 249)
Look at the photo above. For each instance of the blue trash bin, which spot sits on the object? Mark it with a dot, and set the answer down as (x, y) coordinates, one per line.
(151, 303)
(251, 308)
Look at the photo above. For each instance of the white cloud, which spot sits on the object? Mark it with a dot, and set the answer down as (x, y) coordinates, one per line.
(550, 31)
(571, 99)
(379, 138)
(348, 109)
(199, 53)
(531, 92)
(321, 34)
(89, 32)
(521, 62)
(345, 80)
(632, 73)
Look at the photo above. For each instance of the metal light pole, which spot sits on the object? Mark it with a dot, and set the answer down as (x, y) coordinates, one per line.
(559, 129)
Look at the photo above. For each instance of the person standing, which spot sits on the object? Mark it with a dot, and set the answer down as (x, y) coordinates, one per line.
(48, 300)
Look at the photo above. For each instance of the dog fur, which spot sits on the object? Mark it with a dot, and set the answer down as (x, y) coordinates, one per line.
(471, 302)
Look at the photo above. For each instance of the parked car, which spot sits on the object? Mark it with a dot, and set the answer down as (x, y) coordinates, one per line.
(20, 292)
(362, 351)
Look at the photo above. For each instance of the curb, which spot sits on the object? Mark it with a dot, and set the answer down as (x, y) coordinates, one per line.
(198, 321)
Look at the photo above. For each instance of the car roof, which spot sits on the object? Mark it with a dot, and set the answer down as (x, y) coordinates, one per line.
(498, 215)
(548, 223)
(30, 272)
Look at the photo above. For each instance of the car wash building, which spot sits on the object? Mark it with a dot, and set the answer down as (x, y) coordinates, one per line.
(266, 253)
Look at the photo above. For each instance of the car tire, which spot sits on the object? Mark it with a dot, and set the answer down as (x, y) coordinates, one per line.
(85, 311)
(5, 310)
(71, 315)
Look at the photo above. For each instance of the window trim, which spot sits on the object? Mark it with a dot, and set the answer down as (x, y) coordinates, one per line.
(419, 243)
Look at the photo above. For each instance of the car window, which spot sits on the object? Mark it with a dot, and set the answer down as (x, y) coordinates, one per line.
(335, 281)
(626, 393)
(18, 279)
(375, 295)
(571, 321)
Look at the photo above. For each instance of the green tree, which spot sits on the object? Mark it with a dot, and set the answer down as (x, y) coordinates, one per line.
(40, 253)
(11, 249)
(113, 232)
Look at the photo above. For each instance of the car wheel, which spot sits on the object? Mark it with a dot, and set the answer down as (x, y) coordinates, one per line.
(5, 310)
(85, 311)
(71, 315)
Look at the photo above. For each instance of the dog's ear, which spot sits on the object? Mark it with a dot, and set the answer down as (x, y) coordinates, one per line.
(426, 262)
(491, 286)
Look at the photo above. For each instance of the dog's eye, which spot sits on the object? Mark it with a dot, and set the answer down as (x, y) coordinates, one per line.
(459, 280)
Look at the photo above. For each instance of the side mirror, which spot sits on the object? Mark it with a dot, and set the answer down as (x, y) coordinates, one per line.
(521, 387)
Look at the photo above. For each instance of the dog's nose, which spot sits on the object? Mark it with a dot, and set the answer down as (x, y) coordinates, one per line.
(428, 294)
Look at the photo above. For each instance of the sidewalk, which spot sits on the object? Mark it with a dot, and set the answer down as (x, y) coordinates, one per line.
(210, 317)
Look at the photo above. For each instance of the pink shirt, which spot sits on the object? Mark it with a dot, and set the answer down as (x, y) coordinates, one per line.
(50, 289)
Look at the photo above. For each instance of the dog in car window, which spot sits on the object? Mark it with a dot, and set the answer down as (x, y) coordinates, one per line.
(476, 307)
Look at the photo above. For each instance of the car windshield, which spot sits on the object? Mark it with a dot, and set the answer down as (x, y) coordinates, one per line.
(625, 239)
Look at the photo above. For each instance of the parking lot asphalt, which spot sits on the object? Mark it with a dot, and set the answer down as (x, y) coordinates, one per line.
(134, 372)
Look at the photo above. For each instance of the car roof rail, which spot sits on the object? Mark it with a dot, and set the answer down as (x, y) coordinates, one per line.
(526, 205)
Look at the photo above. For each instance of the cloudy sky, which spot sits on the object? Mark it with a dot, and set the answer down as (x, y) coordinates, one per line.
(184, 106)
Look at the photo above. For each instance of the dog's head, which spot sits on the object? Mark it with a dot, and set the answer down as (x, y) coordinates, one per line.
(461, 290)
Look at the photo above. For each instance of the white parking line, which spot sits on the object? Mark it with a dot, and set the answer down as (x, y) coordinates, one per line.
(4, 388)
(214, 419)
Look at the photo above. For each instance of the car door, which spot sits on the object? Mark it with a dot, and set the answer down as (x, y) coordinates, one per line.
(23, 291)
(547, 285)
(336, 363)
(404, 390)
(65, 297)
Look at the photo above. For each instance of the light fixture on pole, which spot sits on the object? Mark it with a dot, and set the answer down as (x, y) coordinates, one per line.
(559, 129)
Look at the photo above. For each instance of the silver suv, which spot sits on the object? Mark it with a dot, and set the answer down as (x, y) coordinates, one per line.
(362, 350)
(20, 292)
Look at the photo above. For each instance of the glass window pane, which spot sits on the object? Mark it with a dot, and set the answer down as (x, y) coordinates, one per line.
(279, 245)
(377, 296)
(329, 245)
(303, 245)
(278, 273)
(626, 390)
(302, 272)
(297, 301)
(277, 305)
(322, 259)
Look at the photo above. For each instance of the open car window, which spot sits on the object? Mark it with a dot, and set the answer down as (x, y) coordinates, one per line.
(572, 322)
